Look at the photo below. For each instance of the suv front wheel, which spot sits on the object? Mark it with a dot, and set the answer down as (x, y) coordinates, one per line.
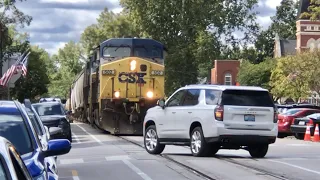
(151, 141)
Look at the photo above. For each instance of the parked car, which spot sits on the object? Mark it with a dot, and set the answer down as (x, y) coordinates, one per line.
(213, 117)
(50, 100)
(282, 108)
(16, 126)
(52, 114)
(286, 119)
(300, 125)
(42, 132)
(11, 164)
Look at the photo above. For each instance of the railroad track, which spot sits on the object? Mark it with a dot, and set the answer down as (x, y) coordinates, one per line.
(204, 176)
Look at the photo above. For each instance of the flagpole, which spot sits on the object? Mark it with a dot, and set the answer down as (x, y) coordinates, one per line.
(8, 87)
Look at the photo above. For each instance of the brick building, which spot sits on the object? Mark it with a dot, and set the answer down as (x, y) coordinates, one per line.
(307, 39)
(225, 72)
(307, 36)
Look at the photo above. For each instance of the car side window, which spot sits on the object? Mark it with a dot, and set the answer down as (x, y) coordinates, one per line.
(175, 100)
(18, 165)
(212, 96)
(3, 169)
(35, 124)
(191, 97)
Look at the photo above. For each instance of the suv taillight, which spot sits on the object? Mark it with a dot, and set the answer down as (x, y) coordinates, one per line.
(218, 113)
(275, 117)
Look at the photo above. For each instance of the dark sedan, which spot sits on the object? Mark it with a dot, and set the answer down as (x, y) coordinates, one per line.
(52, 114)
(299, 125)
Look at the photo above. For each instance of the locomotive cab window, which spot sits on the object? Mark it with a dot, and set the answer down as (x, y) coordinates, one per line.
(113, 52)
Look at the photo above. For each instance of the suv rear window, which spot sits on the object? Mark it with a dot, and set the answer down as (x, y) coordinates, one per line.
(247, 98)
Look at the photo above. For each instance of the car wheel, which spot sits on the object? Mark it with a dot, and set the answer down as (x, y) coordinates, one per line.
(299, 136)
(281, 135)
(213, 149)
(151, 141)
(258, 151)
(198, 145)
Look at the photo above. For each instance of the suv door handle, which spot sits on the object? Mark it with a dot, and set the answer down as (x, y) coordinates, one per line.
(173, 112)
(189, 112)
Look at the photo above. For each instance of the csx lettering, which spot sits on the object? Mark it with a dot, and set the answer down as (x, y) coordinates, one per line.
(132, 77)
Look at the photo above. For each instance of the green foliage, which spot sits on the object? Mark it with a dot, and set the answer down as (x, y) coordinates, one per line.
(37, 80)
(313, 11)
(256, 74)
(183, 26)
(69, 65)
(290, 77)
(11, 15)
(283, 24)
(110, 25)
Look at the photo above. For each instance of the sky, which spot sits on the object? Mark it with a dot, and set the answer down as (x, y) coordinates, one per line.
(55, 22)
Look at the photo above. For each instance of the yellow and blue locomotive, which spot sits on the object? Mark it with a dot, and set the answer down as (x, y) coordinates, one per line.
(126, 79)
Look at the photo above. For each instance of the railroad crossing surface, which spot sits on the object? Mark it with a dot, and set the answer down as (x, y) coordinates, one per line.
(96, 155)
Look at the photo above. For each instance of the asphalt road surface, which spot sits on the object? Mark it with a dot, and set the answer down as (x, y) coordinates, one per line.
(96, 155)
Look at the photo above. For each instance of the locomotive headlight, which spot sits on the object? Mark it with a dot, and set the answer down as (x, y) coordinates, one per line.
(133, 65)
(117, 94)
(150, 94)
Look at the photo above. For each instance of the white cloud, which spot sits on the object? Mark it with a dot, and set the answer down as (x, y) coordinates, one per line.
(272, 3)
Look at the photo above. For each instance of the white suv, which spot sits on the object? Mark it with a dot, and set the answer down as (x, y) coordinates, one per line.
(212, 117)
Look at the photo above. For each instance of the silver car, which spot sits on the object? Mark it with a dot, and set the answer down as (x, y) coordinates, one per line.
(11, 164)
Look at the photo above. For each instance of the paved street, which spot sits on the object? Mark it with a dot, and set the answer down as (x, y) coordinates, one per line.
(96, 155)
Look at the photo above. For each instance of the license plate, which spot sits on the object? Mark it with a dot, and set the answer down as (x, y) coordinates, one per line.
(249, 117)
(302, 123)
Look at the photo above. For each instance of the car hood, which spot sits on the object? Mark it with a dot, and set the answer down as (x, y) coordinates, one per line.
(52, 117)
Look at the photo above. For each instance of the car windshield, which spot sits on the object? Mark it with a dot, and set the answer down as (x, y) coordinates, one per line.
(13, 128)
(2, 172)
(314, 116)
(49, 109)
(291, 111)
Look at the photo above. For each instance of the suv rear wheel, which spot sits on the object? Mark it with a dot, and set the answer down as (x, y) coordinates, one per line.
(258, 151)
(151, 141)
(198, 145)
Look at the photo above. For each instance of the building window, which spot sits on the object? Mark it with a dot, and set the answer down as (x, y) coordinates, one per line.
(228, 79)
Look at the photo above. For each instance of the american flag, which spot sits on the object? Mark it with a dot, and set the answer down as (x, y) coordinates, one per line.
(20, 64)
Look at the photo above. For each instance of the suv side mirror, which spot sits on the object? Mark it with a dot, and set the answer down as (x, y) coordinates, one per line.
(161, 103)
(58, 147)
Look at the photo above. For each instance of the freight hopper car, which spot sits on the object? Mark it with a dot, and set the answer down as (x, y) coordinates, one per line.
(78, 102)
(127, 79)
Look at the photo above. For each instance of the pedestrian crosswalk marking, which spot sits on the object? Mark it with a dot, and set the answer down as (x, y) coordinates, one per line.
(117, 158)
(71, 161)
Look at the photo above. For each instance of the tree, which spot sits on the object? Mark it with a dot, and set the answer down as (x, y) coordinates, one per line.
(283, 24)
(313, 58)
(10, 17)
(69, 65)
(37, 80)
(179, 24)
(110, 25)
(313, 12)
(256, 74)
(290, 77)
